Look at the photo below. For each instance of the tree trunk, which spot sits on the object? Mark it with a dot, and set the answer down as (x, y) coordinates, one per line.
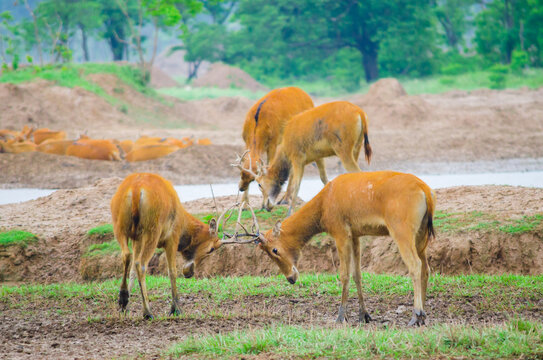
(84, 42)
(193, 70)
(117, 48)
(370, 63)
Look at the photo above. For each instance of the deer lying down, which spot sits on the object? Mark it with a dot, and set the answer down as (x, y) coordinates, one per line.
(357, 204)
(147, 210)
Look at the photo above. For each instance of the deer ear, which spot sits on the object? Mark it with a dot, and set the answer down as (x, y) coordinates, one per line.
(213, 227)
(277, 229)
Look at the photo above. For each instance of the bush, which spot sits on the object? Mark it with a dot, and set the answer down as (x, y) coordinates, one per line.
(447, 80)
(498, 76)
(519, 60)
(452, 69)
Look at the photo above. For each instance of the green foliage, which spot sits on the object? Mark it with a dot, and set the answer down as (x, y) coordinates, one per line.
(519, 61)
(16, 237)
(498, 76)
(452, 69)
(499, 341)
(101, 230)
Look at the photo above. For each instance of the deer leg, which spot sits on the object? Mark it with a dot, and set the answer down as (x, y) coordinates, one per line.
(171, 251)
(345, 152)
(124, 293)
(344, 247)
(142, 260)
(406, 244)
(297, 174)
(363, 315)
(322, 170)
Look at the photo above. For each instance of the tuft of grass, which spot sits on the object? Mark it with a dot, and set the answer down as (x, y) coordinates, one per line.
(480, 221)
(16, 237)
(107, 248)
(101, 230)
(517, 338)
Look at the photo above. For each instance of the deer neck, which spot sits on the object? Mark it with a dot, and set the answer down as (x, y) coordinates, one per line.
(279, 170)
(304, 224)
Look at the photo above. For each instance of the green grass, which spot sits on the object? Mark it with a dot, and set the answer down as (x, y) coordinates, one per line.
(493, 291)
(532, 78)
(515, 338)
(107, 248)
(16, 237)
(101, 230)
(525, 224)
(480, 221)
(73, 75)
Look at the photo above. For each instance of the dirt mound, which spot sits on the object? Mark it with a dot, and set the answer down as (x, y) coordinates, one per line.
(386, 89)
(43, 104)
(224, 76)
(159, 79)
(62, 219)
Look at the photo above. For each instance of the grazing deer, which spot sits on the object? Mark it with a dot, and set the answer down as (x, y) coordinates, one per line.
(336, 128)
(263, 128)
(147, 210)
(357, 204)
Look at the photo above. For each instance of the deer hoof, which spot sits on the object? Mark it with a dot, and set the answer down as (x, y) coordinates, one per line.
(123, 299)
(418, 318)
(148, 316)
(341, 317)
(364, 317)
(174, 311)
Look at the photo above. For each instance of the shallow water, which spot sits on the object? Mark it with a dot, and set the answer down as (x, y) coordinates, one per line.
(311, 186)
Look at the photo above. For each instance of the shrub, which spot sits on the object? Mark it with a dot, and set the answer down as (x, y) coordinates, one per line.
(452, 69)
(519, 60)
(497, 76)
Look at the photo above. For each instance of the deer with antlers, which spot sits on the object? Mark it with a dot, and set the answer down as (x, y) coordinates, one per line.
(354, 205)
(337, 128)
(147, 210)
(263, 128)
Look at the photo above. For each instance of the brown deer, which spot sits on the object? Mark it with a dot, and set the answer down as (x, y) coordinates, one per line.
(337, 128)
(263, 128)
(357, 204)
(147, 210)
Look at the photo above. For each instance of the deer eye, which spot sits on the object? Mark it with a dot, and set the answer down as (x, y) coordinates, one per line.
(274, 251)
(211, 250)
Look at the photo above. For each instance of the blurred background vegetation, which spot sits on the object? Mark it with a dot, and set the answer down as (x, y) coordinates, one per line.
(344, 44)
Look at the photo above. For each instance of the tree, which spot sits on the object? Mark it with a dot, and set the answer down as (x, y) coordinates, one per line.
(10, 40)
(499, 29)
(162, 13)
(282, 30)
(453, 18)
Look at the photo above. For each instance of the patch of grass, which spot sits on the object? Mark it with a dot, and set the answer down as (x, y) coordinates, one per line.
(101, 230)
(16, 237)
(525, 224)
(480, 221)
(508, 292)
(73, 75)
(103, 249)
(513, 339)
(532, 78)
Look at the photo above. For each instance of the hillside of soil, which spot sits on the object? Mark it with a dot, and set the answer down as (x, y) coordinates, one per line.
(62, 219)
(225, 76)
(477, 131)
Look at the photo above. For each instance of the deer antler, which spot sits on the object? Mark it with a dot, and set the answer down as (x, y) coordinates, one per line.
(255, 229)
(239, 164)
